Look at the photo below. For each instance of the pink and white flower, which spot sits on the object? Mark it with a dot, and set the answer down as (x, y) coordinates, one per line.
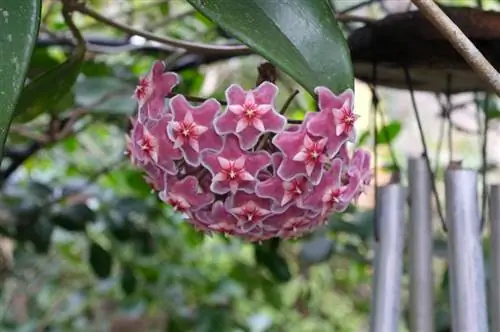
(206, 164)
(191, 129)
(234, 169)
(250, 114)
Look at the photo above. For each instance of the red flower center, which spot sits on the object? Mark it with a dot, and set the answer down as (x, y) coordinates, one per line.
(142, 89)
(250, 110)
(232, 172)
(178, 204)
(147, 145)
(187, 130)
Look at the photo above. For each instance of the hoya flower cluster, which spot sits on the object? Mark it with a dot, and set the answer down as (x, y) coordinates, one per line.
(241, 169)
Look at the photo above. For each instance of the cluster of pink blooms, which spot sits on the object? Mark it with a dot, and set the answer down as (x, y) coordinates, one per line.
(242, 170)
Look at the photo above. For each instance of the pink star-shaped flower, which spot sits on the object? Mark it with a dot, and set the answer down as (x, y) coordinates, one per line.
(303, 155)
(155, 176)
(191, 129)
(250, 114)
(151, 144)
(342, 108)
(185, 195)
(331, 194)
(233, 168)
(249, 210)
(156, 84)
(280, 191)
(290, 223)
(219, 219)
(359, 167)
(323, 124)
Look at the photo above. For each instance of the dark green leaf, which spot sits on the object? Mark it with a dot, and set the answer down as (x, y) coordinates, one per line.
(100, 260)
(492, 112)
(40, 61)
(19, 22)
(302, 38)
(91, 68)
(145, 242)
(274, 262)
(41, 236)
(45, 92)
(74, 217)
(128, 280)
(388, 133)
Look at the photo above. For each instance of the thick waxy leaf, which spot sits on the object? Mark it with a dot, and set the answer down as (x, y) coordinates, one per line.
(19, 22)
(300, 37)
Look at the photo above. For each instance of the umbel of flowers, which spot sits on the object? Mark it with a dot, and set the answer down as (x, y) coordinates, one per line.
(242, 170)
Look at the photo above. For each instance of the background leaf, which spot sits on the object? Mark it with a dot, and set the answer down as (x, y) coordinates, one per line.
(46, 91)
(19, 22)
(301, 38)
(388, 133)
(100, 260)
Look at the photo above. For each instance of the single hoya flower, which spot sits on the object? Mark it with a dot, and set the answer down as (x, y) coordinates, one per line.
(233, 168)
(323, 124)
(342, 108)
(185, 195)
(291, 223)
(303, 155)
(151, 144)
(359, 167)
(249, 114)
(156, 84)
(218, 219)
(191, 129)
(249, 210)
(144, 147)
(331, 194)
(155, 176)
(280, 191)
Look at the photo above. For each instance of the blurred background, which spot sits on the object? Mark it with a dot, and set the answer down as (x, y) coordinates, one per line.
(86, 245)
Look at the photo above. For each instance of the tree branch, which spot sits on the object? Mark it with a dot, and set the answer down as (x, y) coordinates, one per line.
(192, 47)
(460, 42)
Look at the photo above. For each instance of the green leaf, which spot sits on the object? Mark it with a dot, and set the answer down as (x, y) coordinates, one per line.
(45, 92)
(128, 280)
(388, 133)
(74, 218)
(19, 22)
(302, 38)
(41, 236)
(365, 135)
(274, 262)
(100, 260)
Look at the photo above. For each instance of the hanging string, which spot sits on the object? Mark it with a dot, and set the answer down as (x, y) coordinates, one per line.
(409, 84)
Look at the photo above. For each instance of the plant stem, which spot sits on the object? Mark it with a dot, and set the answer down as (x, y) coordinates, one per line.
(460, 42)
(426, 156)
(192, 47)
